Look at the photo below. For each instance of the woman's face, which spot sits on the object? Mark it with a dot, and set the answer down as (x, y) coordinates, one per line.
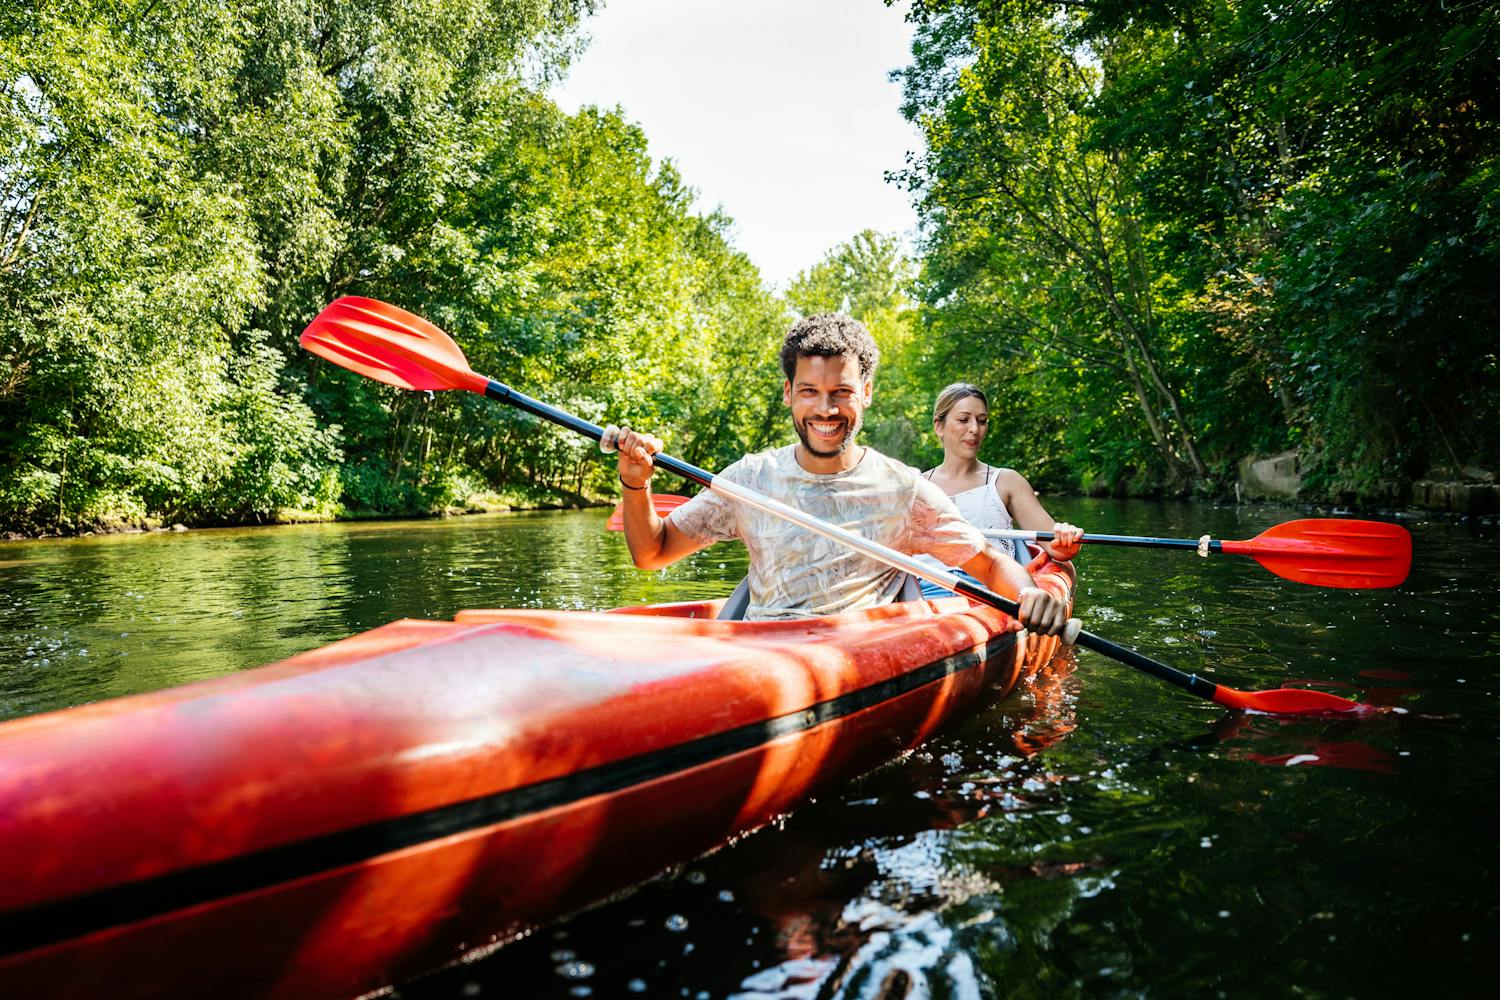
(963, 430)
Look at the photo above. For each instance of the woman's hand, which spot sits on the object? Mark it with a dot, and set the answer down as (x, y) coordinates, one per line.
(1066, 540)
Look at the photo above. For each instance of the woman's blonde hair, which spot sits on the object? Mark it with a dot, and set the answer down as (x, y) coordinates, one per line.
(949, 397)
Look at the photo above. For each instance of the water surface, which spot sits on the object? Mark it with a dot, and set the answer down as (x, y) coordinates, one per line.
(1103, 834)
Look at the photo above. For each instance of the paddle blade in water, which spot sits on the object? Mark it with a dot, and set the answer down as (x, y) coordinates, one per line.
(390, 345)
(664, 503)
(1291, 701)
(1332, 552)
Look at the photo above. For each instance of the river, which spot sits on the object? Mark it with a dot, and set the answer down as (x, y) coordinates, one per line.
(1104, 835)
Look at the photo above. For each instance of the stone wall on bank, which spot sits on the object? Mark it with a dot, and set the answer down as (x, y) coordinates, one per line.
(1465, 490)
(1270, 477)
(1468, 490)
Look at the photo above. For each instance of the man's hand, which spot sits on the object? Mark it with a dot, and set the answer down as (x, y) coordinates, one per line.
(1041, 612)
(635, 466)
(654, 541)
(1066, 540)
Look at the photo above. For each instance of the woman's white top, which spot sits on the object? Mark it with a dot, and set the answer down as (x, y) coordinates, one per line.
(982, 506)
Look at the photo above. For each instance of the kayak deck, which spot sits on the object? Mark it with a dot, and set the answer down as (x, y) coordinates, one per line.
(366, 811)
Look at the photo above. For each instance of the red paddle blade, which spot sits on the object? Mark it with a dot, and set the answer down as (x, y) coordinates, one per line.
(1332, 552)
(664, 503)
(1291, 701)
(390, 345)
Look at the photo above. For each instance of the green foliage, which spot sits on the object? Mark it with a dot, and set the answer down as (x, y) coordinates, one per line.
(866, 277)
(121, 271)
(576, 269)
(1163, 235)
(184, 184)
(1196, 230)
(274, 455)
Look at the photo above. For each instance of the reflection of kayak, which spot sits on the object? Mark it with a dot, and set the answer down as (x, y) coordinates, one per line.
(372, 809)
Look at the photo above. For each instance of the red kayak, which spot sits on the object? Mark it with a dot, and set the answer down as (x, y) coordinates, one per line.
(373, 809)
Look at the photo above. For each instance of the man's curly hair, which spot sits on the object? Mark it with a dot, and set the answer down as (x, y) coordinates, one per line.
(828, 336)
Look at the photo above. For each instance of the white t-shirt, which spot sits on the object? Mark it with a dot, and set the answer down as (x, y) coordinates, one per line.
(795, 573)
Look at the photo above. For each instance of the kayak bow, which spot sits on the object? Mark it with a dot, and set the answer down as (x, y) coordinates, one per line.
(371, 810)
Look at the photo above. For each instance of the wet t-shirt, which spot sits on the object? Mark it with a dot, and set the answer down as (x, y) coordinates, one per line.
(795, 573)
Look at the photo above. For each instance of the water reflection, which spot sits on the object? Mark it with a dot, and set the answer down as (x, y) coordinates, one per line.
(95, 618)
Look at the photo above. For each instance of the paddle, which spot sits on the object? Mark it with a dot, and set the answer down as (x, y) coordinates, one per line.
(1323, 552)
(393, 346)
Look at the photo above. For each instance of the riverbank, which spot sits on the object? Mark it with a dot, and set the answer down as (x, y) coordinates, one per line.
(1279, 479)
(495, 504)
(486, 503)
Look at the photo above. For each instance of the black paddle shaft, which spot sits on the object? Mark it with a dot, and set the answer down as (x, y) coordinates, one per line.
(1099, 644)
(505, 394)
(516, 398)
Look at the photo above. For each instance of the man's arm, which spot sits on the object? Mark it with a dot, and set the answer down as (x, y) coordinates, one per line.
(940, 530)
(1040, 611)
(654, 541)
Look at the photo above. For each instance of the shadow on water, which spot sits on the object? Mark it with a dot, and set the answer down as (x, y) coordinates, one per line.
(1103, 835)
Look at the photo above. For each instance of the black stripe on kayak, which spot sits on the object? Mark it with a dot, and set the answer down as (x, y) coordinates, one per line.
(52, 922)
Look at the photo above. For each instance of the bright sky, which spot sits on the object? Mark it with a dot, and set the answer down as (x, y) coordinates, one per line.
(779, 111)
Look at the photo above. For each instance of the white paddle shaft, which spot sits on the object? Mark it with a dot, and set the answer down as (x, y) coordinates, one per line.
(941, 577)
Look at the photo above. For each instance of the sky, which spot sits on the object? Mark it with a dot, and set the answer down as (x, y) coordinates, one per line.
(778, 111)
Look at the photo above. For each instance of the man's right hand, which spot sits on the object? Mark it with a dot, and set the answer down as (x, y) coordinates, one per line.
(1041, 612)
(635, 465)
(654, 541)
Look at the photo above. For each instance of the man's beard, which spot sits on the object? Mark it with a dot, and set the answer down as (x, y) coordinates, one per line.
(851, 427)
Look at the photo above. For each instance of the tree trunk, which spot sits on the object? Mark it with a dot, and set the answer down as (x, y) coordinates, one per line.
(411, 425)
(1153, 422)
(1131, 330)
(1173, 403)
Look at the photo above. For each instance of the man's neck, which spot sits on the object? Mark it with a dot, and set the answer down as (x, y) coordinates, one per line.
(842, 462)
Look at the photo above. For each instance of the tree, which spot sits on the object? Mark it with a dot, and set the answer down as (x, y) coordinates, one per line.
(1271, 225)
(172, 215)
(1010, 176)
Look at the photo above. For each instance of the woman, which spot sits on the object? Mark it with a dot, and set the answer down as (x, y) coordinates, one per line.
(989, 498)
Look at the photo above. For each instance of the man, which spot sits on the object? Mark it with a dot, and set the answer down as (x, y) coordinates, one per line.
(829, 362)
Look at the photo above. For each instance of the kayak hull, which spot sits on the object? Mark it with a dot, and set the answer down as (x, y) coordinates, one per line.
(371, 810)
